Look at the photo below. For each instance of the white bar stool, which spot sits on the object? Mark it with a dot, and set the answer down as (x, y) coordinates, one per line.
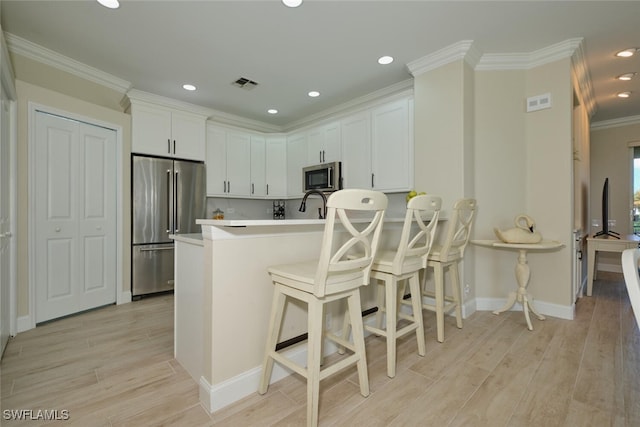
(391, 268)
(447, 257)
(337, 274)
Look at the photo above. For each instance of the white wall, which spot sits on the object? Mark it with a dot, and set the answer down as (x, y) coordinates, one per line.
(510, 161)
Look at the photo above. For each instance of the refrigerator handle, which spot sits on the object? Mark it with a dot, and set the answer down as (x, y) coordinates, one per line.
(169, 216)
(175, 203)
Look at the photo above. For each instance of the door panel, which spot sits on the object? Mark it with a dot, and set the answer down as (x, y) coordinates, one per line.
(75, 216)
(5, 221)
(190, 182)
(152, 269)
(152, 195)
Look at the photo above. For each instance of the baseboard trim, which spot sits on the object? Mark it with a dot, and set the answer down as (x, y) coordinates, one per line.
(24, 323)
(612, 268)
(217, 396)
(544, 308)
(124, 297)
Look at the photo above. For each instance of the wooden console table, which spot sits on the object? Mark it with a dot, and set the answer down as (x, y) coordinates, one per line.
(522, 273)
(606, 244)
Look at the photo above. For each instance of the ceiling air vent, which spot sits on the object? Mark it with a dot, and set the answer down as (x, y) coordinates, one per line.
(245, 83)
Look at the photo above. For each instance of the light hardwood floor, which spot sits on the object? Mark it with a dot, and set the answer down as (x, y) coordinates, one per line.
(115, 367)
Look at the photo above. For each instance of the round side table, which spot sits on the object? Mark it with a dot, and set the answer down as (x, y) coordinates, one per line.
(523, 273)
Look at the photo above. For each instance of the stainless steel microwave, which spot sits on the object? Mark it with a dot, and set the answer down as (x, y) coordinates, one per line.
(325, 177)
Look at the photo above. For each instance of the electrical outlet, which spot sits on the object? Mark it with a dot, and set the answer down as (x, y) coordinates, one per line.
(327, 321)
(467, 289)
(612, 223)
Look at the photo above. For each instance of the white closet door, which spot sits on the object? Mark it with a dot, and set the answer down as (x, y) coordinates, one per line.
(75, 216)
(5, 222)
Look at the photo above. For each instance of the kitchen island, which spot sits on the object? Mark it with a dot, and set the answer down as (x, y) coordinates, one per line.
(224, 277)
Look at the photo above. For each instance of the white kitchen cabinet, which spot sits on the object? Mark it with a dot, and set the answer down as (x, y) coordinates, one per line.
(391, 147)
(377, 149)
(167, 132)
(258, 166)
(356, 151)
(296, 160)
(228, 160)
(324, 144)
(276, 166)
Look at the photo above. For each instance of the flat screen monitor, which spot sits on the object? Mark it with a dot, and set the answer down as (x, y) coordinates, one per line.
(605, 213)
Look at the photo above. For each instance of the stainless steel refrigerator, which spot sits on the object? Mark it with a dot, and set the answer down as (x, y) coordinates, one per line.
(167, 198)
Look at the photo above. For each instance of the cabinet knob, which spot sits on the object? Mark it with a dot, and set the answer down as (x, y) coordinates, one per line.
(57, 229)
(99, 227)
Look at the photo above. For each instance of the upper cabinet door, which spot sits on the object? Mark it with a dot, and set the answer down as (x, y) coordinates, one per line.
(188, 135)
(216, 161)
(166, 132)
(151, 130)
(258, 178)
(324, 144)
(296, 160)
(276, 166)
(356, 151)
(391, 148)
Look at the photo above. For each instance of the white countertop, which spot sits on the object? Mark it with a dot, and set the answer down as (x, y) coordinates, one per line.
(193, 238)
(281, 222)
(257, 222)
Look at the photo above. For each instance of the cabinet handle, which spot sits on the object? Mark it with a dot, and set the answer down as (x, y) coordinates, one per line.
(252, 188)
(169, 146)
(176, 198)
(372, 185)
(174, 146)
(224, 184)
(267, 189)
(323, 156)
(169, 216)
(228, 186)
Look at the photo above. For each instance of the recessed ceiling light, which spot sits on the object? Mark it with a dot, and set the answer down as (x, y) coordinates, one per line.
(627, 76)
(188, 87)
(624, 94)
(314, 94)
(111, 4)
(272, 111)
(384, 60)
(627, 52)
(292, 3)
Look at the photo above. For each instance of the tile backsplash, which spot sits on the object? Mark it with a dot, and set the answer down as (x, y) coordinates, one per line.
(263, 209)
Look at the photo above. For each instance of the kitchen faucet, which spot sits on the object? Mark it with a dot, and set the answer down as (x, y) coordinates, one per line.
(303, 205)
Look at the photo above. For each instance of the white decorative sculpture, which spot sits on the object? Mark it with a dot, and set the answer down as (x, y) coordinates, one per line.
(523, 232)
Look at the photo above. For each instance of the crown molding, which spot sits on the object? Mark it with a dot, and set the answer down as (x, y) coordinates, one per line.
(463, 49)
(400, 89)
(20, 46)
(526, 61)
(135, 95)
(579, 67)
(7, 77)
(614, 123)
(141, 97)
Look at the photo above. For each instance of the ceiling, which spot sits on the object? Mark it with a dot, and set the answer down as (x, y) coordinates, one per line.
(324, 45)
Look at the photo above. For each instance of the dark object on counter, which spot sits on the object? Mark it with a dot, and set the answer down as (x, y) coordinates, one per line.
(278, 209)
